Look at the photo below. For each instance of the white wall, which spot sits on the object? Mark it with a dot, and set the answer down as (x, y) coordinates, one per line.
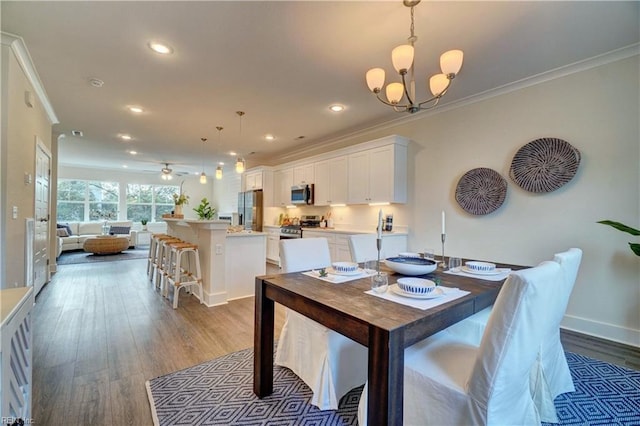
(225, 192)
(597, 112)
(21, 125)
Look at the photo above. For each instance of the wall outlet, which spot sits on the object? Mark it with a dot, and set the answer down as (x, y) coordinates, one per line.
(218, 248)
(14, 212)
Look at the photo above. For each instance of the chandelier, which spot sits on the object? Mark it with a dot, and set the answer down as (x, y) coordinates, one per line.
(402, 58)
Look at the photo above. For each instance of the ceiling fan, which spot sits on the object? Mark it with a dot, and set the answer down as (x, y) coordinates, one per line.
(166, 172)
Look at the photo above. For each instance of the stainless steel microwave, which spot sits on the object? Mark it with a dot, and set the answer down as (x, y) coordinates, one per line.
(302, 194)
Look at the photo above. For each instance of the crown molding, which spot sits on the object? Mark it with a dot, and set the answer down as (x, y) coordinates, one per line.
(19, 48)
(596, 61)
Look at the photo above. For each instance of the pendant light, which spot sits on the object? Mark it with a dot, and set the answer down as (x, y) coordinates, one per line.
(239, 161)
(219, 168)
(203, 176)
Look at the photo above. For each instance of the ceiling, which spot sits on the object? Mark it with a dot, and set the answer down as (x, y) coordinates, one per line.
(281, 62)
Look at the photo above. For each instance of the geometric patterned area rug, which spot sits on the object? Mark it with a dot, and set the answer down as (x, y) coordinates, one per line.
(80, 256)
(220, 392)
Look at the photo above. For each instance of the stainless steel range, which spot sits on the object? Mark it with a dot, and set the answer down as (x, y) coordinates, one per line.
(295, 231)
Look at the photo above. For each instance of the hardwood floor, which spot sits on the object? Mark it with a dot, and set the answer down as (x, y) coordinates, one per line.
(101, 330)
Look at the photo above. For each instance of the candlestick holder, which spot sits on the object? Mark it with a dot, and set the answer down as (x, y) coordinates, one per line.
(442, 264)
(379, 246)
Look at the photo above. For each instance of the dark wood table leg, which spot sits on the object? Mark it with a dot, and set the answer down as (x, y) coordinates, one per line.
(386, 377)
(263, 343)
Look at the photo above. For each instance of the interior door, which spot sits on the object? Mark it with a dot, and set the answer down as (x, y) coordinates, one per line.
(41, 234)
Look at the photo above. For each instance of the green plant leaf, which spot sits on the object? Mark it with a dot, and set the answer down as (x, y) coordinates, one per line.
(635, 247)
(620, 227)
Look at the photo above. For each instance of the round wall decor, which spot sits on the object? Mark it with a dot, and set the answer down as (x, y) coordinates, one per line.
(481, 191)
(544, 165)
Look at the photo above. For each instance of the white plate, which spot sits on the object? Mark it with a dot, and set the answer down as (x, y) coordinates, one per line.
(433, 295)
(496, 271)
(334, 272)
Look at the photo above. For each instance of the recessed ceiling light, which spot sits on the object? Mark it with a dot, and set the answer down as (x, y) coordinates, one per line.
(135, 109)
(269, 137)
(233, 153)
(124, 166)
(337, 108)
(160, 48)
(220, 163)
(133, 152)
(125, 137)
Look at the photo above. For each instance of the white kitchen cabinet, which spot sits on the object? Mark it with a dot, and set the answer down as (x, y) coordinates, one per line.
(260, 178)
(283, 181)
(253, 180)
(378, 175)
(304, 174)
(392, 244)
(273, 244)
(331, 178)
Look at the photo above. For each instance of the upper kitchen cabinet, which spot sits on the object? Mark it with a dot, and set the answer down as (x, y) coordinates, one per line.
(331, 181)
(260, 178)
(282, 182)
(304, 174)
(378, 175)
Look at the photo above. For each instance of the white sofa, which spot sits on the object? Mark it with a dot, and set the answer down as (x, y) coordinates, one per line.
(80, 231)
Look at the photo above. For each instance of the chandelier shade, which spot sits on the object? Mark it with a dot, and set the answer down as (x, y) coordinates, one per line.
(402, 58)
(239, 165)
(219, 172)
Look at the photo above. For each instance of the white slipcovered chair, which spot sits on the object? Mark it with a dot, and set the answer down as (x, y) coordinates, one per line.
(363, 247)
(550, 376)
(448, 381)
(328, 362)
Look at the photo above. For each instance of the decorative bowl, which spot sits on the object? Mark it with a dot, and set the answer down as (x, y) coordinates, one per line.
(416, 285)
(480, 266)
(411, 265)
(408, 254)
(345, 266)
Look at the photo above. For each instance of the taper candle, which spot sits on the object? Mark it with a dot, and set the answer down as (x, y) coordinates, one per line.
(380, 223)
(443, 230)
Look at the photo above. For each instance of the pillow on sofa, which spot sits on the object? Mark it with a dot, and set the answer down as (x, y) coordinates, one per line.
(119, 230)
(64, 226)
(62, 232)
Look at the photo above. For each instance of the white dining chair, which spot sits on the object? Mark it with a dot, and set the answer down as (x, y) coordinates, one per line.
(550, 376)
(328, 362)
(448, 381)
(363, 247)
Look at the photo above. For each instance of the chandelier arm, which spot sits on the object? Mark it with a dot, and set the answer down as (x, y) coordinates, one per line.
(390, 104)
(435, 100)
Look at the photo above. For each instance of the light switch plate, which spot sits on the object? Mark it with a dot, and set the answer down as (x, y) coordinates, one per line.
(14, 212)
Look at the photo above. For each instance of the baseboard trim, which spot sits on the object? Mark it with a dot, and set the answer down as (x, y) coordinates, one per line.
(607, 332)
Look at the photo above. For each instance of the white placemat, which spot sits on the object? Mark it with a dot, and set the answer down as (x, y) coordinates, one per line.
(504, 273)
(338, 279)
(424, 304)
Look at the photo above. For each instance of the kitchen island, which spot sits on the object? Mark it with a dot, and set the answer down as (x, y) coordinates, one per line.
(229, 261)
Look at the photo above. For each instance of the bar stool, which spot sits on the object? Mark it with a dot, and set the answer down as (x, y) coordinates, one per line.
(182, 275)
(153, 253)
(163, 260)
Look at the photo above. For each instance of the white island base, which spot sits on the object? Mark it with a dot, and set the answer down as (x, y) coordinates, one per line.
(229, 262)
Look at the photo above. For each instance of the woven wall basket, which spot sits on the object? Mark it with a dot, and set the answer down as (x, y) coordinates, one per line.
(481, 191)
(544, 165)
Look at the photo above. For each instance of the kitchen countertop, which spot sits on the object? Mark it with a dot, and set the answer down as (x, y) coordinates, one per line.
(246, 234)
(353, 231)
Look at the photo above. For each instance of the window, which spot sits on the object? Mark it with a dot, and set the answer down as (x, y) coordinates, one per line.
(71, 200)
(80, 200)
(149, 201)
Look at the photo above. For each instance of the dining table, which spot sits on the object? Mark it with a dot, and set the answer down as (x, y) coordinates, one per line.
(385, 327)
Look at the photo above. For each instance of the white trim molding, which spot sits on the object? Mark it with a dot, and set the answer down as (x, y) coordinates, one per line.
(19, 48)
(603, 330)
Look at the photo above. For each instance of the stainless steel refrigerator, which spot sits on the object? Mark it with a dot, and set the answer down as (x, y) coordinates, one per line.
(250, 210)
